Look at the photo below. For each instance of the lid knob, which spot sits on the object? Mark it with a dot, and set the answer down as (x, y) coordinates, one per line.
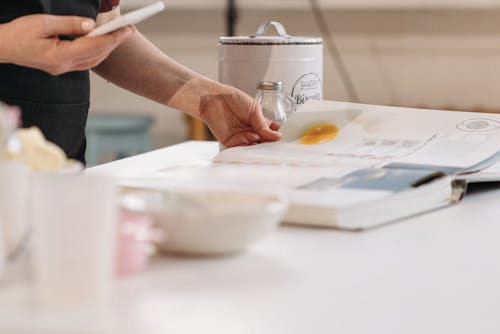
(264, 27)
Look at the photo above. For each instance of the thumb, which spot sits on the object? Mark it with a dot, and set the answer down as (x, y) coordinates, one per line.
(55, 25)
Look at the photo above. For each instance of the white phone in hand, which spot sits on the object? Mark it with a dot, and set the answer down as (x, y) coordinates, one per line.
(130, 18)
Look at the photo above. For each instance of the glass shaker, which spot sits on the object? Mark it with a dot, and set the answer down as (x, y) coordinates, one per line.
(276, 105)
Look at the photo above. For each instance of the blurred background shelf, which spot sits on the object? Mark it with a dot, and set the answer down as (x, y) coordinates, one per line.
(329, 4)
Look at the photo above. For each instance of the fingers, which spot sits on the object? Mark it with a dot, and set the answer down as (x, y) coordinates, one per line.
(269, 135)
(55, 25)
(236, 119)
(266, 129)
(275, 125)
(243, 139)
(33, 42)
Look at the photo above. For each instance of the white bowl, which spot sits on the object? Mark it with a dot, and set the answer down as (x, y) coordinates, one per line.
(217, 222)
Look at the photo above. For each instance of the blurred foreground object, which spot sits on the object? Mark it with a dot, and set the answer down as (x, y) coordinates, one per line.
(135, 234)
(9, 237)
(215, 222)
(74, 219)
(14, 189)
(14, 205)
(9, 121)
(35, 152)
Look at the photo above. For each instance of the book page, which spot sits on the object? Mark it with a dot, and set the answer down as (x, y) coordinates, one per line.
(489, 174)
(306, 185)
(374, 136)
(229, 175)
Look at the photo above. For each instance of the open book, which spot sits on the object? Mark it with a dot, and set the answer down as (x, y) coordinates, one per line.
(355, 166)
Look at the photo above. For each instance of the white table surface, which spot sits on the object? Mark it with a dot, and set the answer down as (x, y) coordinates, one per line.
(435, 273)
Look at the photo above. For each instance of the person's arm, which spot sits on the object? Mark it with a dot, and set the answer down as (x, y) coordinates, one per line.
(33, 41)
(140, 67)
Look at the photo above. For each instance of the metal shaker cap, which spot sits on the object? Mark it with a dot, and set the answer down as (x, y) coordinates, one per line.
(268, 85)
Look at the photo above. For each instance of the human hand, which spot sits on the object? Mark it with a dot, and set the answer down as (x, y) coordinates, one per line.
(236, 119)
(32, 41)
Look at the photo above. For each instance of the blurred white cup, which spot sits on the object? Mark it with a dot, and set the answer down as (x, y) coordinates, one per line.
(14, 199)
(74, 219)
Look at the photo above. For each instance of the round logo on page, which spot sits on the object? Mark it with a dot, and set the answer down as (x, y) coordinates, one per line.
(478, 125)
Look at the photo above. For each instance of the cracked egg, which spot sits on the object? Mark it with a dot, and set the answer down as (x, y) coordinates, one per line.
(319, 134)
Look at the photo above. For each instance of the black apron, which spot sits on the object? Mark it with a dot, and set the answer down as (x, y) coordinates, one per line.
(58, 105)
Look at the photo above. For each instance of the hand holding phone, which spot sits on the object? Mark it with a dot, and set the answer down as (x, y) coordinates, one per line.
(130, 18)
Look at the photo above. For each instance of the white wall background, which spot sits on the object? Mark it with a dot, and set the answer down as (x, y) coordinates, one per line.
(417, 57)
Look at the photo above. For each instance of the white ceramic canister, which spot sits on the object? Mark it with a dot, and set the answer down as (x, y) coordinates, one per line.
(296, 61)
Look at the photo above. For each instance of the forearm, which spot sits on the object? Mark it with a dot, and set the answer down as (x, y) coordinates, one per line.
(140, 67)
(233, 117)
(4, 58)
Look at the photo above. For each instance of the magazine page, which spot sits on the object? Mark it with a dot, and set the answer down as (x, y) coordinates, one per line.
(318, 186)
(235, 176)
(344, 134)
(488, 175)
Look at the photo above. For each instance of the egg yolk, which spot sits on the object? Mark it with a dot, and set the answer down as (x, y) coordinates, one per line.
(319, 134)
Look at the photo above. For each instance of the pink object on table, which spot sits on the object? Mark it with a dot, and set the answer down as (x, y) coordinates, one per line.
(133, 244)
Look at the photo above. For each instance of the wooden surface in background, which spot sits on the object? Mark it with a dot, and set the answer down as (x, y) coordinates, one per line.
(197, 130)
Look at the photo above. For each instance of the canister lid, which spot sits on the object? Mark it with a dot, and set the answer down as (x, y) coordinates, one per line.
(261, 39)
